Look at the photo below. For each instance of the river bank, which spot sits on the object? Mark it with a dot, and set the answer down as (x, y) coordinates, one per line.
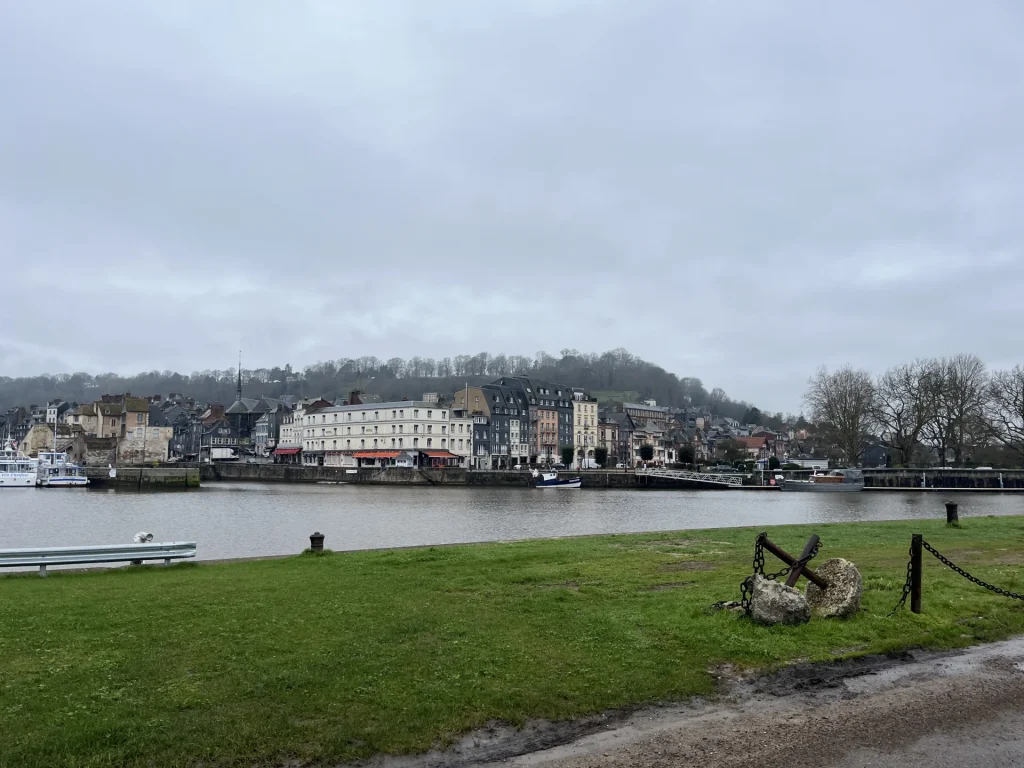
(876, 479)
(333, 658)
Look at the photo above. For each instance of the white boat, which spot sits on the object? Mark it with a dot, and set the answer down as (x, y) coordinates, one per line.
(552, 480)
(55, 471)
(16, 469)
(836, 481)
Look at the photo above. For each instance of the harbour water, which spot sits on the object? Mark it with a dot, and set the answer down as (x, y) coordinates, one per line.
(230, 520)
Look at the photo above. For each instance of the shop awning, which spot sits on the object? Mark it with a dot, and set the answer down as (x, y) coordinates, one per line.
(286, 451)
(439, 454)
(376, 454)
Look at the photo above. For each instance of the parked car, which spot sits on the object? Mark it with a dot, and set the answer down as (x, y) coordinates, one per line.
(558, 465)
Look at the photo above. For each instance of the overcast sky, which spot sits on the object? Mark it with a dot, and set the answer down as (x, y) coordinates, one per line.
(739, 191)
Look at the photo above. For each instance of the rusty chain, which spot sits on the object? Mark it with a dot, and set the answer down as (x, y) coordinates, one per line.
(957, 569)
(907, 583)
(991, 587)
(747, 585)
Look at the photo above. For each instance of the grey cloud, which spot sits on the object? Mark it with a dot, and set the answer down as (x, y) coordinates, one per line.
(737, 191)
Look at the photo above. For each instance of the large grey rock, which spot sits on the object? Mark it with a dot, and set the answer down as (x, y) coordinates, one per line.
(845, 587)
(772, 602)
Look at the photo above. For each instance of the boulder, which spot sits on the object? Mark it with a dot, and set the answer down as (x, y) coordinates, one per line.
(842, 598)
(772, 602)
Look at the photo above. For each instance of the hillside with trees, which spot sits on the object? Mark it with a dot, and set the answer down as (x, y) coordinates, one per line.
(613, 375)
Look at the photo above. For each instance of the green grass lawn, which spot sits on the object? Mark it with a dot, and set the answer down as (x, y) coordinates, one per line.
(338, 657)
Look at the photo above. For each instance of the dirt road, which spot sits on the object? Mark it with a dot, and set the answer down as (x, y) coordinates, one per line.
(964, 709)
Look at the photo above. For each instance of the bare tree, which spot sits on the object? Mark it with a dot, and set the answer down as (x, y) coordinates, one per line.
(1006, 408)
(903, 407)
(957, 390)
(843, 403)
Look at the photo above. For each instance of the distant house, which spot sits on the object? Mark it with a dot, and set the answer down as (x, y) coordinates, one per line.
(645, 412)
(55, 411)
(758, 447)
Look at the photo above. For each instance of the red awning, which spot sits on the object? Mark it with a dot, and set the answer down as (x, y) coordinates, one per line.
(286, 451)
(439, 454)
(376, 454)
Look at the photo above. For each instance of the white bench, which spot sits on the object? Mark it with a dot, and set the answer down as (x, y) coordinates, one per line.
(113, 553)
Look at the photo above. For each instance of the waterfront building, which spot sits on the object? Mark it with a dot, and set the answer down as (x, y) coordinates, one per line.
(647, 411)
(460, 441)
(585, 424)
(267, 432)
(375, 434)
(471, 403)
(608, 438)
(550, 417)
(652, 434)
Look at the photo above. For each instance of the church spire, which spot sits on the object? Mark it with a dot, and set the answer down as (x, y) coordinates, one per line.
(238, 392)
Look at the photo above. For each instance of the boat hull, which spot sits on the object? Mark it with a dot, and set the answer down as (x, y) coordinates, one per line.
(64, 482)
(808, 487)
(17, 480)
(573, 483)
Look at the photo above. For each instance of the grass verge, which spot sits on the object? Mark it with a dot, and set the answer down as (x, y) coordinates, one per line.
(341, 656)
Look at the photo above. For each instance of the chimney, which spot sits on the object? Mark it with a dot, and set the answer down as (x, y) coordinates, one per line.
(353, 397)
(216, 411)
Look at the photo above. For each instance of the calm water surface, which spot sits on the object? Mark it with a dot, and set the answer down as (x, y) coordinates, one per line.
(252, 519)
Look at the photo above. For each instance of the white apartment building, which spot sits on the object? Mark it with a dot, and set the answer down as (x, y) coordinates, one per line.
(460, 438)
(377, 434)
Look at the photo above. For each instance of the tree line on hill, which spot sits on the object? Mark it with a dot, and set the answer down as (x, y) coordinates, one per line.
(951, 407)
(612, 375)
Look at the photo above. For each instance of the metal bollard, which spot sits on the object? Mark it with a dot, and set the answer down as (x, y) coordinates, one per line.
(952, 518)
(316, 542)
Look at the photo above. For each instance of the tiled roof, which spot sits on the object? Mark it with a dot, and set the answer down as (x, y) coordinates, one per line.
(136, 404)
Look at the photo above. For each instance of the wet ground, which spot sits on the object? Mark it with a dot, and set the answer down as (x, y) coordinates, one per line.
(902, 711)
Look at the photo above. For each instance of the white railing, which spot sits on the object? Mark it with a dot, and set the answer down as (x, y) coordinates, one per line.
(112, 553)
(729, 480)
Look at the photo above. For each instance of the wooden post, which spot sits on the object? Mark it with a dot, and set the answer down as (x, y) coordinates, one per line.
(794, 575)
(952, 518)
(915, 573)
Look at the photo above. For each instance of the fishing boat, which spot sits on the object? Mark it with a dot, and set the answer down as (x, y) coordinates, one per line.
(16, 469)
(552, 480)
(836, 481)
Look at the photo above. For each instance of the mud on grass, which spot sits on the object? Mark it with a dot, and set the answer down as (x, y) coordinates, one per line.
(340, 657)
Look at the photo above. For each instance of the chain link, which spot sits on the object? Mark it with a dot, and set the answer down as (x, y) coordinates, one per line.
(991, 587)
(747, 585)
(946, 561)
(906, 584)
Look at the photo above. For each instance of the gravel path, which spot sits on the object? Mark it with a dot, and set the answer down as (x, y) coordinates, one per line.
(964, 709)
